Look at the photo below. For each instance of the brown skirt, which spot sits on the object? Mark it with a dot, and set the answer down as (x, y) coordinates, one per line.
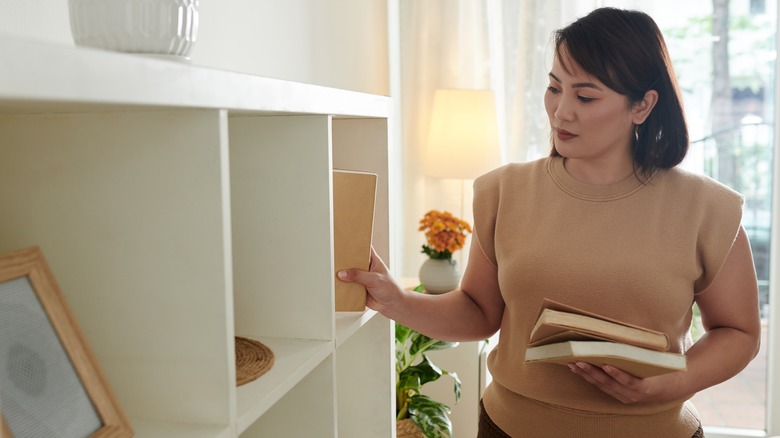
(489, 429)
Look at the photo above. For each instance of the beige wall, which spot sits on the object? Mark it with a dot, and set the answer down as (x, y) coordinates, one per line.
(336, 43)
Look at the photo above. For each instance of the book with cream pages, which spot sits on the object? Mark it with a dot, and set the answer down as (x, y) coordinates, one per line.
(564, 334)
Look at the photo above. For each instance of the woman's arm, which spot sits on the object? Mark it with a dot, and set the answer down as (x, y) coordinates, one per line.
(470, 313)
(729, 312)
(729, 309)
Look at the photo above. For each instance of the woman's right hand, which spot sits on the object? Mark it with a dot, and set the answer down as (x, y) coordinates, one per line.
(384, 293)
(470, 313)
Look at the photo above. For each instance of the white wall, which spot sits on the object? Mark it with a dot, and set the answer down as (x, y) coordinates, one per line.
(336, 43)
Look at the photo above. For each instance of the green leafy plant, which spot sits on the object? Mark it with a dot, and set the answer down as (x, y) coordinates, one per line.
(413, 370)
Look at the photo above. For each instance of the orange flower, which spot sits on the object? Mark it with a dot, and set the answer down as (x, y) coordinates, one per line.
(444, 234)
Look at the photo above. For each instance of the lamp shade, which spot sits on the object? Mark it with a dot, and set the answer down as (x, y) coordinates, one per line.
(463, 135)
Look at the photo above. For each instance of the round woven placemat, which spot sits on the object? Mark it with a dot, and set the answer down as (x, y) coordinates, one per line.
(253, 359)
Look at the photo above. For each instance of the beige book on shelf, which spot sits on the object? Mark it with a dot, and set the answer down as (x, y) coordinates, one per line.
(559, 322)
(640, 362)
(354, 197)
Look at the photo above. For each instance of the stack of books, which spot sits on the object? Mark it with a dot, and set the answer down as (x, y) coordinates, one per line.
(564, 334)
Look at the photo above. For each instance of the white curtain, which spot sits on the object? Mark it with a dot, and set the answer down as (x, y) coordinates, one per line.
(527, 58)
(503, 45)
(443, 44)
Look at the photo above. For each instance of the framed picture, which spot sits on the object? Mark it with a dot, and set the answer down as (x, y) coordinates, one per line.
(50, 382)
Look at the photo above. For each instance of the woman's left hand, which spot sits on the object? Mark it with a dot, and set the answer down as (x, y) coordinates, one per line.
(729, 311)
(625, 387)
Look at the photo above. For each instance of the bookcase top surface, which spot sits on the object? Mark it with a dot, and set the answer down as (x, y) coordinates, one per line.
(38, 77)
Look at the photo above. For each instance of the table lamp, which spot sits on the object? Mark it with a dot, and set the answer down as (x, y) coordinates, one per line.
(462, 144)
(463, 136)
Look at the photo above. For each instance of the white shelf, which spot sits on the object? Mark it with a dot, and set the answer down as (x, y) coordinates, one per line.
(294, 359)
(145, 427)
(181, 206)
(347, 323)
(40, 77)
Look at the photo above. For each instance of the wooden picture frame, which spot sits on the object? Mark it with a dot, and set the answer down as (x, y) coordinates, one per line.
(55, 381)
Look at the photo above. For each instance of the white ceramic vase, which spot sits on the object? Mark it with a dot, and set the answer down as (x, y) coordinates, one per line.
(439, 276)
(165, 28)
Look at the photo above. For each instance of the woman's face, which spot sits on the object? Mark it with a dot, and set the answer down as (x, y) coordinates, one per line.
(589, 121)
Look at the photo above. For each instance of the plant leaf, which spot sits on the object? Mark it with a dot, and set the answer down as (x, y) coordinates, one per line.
(430, 416)
(402, 333)
(457, 385)
(422, 343)
(425, 371)
(409, 380)
(400, 357)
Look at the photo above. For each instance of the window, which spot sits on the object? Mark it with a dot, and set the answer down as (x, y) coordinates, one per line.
(724, 53)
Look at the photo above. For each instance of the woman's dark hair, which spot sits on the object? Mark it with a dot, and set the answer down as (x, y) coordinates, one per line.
(626, 51)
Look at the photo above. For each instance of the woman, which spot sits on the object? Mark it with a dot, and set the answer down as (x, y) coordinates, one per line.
(606, 223)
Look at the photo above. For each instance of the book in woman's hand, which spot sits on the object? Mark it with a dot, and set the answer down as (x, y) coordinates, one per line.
(638, 361)
(559, 322)
(354, 198)
(564, 334)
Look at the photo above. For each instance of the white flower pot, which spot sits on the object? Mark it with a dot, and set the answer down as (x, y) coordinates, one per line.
(439, 276)
(166, 28)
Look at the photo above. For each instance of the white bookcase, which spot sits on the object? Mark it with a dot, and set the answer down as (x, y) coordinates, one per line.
(181, 206)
